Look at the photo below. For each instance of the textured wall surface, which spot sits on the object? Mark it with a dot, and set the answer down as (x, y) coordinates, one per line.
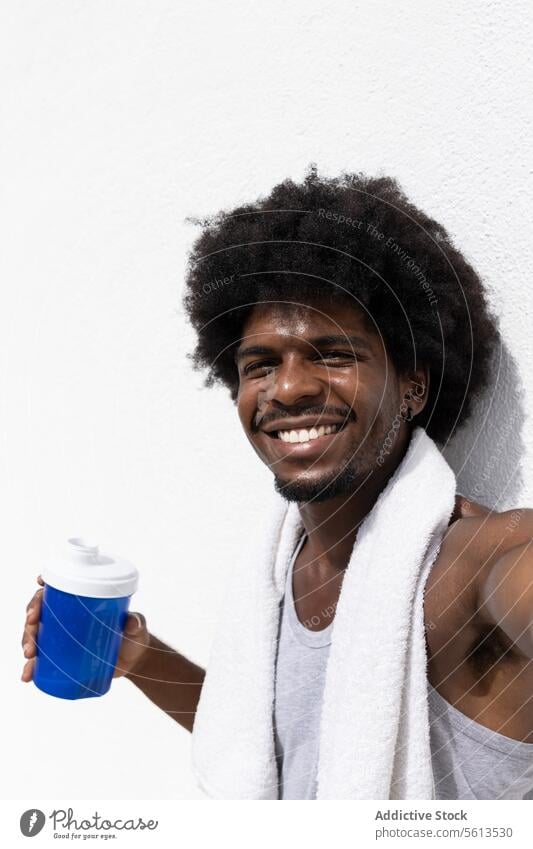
(120, 120)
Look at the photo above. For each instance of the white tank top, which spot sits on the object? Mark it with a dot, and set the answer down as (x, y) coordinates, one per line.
(469, 761)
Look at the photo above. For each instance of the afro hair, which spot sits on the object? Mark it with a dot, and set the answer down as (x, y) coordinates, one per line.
(355, 238)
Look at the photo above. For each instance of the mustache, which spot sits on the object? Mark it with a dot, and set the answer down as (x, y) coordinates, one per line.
(293, 413)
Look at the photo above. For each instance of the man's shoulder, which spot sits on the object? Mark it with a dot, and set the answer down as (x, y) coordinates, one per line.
(480, 534)
(476, 537)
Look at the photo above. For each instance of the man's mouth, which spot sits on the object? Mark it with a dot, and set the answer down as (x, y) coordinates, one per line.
(306, 434)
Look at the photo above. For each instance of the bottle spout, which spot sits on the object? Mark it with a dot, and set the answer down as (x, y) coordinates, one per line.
(84, 550)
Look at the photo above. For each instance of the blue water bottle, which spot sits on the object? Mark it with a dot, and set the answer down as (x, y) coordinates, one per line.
(84, 610)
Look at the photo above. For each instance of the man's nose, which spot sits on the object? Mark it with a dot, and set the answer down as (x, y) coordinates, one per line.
(293, 381)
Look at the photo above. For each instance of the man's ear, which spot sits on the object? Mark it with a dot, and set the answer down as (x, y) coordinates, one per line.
(416, 389)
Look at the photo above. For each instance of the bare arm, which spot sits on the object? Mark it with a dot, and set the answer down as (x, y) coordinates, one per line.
(169, 680)
(506, 596)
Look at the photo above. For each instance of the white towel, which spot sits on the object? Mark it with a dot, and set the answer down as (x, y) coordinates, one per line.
(374, 732)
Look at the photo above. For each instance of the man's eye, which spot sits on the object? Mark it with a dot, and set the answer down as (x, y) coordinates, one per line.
(262, 364)
(338, 355)
(267, 365)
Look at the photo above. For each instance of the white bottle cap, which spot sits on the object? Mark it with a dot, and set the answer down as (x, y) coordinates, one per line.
(81, 569)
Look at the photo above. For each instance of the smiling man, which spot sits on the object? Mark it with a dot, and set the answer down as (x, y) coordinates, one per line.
(350, 330)
(304, 425)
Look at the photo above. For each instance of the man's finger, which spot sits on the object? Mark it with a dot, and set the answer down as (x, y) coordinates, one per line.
(35, 600)
(27, 671)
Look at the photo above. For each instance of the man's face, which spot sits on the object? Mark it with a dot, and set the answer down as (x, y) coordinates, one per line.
(317, 397)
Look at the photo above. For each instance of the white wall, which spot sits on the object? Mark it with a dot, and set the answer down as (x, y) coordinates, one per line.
(122, 118)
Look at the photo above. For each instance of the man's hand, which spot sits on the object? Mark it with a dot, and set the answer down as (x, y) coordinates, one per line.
(132, 649)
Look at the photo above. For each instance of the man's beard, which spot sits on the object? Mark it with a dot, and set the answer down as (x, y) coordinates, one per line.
(361, 461)
(341, 482)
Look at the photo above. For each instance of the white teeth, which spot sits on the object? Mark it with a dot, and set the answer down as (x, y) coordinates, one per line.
(305, 434)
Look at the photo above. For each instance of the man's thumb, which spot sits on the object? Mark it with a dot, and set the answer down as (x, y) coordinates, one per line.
(134, 624)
